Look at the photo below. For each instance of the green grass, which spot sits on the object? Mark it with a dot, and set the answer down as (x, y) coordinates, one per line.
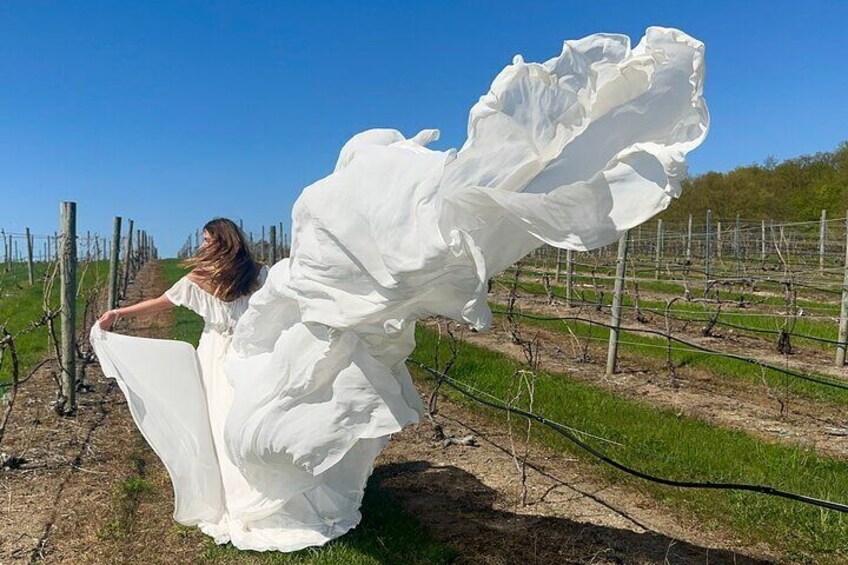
(817, 301)
(21, 305)
(700, 313)
(663, 443)
(187, 324)
(643, 347)
(387, 534)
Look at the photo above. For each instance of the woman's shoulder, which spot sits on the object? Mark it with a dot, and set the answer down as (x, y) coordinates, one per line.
(198, 279)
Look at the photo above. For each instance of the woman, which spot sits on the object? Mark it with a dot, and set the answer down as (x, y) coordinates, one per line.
(223, 277)
(571, 152)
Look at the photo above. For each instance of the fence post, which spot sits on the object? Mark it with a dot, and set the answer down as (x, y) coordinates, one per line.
(659, 249)
(68, 213)
(843, 314)
(822, 239)
(762, 240)
(569, 277)
(113, 262)
(272, 235)
(127, 259)
(718, 239)
(29, 257)
(689, 239)
(620, 263)
(558, 265)
(142, 242)
(708, 251)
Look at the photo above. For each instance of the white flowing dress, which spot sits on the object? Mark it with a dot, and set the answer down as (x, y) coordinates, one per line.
(571, 152)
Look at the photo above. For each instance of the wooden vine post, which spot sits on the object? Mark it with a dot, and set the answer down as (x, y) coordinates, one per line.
(718, 240)
(114, 259)
(822, 239)
(689, 239)
(272, 236)
(762, 240)
(68, 270)
(558, 265)
(659, 250)
(29, 257)
(127, 259)
(708, 251)
(620, 263)
(843, 314)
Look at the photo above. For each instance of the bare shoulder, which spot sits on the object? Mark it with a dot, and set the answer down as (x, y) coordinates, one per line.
(199, 279)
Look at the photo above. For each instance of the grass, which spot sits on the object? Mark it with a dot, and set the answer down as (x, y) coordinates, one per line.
(669, 445)
(21, 305)
(387, 534)
(701, 313)
(187, 324)
(604, 276)
(639, 347)
(128, 495)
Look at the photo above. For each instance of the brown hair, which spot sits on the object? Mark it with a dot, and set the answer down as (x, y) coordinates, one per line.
(225, 264)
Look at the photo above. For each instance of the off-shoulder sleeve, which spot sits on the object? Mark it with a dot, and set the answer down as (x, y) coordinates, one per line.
(180, 293)
(188, 294)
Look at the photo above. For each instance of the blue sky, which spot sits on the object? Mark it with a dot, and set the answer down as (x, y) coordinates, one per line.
(173, 112)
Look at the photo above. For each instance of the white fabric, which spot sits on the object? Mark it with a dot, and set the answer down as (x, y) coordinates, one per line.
(305, 392)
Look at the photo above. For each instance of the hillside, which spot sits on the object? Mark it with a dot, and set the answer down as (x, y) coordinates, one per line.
(796, 189)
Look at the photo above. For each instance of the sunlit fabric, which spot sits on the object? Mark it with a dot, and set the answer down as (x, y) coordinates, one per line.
(304, 394)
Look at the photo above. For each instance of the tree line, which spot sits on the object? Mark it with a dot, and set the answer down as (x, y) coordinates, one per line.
(796, 189)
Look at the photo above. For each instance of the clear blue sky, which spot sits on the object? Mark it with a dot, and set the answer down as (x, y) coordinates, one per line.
(173, 112)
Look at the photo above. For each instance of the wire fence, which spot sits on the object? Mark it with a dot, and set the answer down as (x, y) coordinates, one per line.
(787, 279)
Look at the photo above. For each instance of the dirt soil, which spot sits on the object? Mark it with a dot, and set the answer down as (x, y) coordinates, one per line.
(471, 498)
(74, 499)
(90, 490)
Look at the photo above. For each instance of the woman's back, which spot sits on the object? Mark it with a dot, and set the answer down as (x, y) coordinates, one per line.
(218, 314)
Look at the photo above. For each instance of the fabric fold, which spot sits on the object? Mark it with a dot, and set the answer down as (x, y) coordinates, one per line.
(306, 380)
(162, 384)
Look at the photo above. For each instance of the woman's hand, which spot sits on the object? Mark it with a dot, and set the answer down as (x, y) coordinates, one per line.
(107, 320)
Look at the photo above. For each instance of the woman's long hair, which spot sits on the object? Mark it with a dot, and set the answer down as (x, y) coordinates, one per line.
(225, 263)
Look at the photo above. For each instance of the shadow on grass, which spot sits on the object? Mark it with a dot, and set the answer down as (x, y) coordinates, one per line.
(458, 509)
(386, 535)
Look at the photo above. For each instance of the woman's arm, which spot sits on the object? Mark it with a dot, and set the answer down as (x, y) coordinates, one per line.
(147, 307)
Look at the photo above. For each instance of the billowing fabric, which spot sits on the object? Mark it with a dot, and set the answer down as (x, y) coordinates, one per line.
(306, 391)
